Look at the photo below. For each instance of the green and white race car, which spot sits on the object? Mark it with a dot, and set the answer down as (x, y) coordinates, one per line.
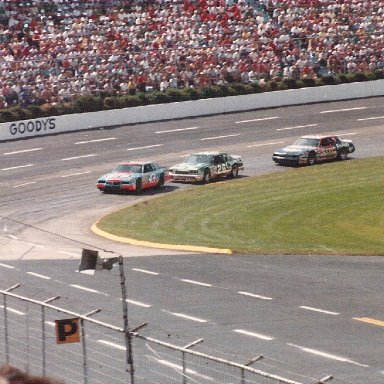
(206, 166)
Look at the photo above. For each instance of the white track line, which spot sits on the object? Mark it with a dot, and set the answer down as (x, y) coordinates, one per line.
(297, 127)
(371, 118)
(344, 110)
(145, 147)
(79, 157)
(220, 137)
(253, 334)
(145, 271)
(86, 289)
(113, 345)
(196, 282)
(13, 310)
(188, 370)
(22, 151)
(319, 310)
(261, 119)
(178, 130)
(24, 184)
(51, 323)
(327, 355)
(187, 317)
(38, 275)
(20, 166)
(138, 303)
(95, 141)
(254, 295)
(6, 266)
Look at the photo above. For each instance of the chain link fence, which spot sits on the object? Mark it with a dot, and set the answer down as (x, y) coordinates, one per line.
(44, 339)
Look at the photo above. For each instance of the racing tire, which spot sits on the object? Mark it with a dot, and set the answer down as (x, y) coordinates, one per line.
(342, 155)
(161, 182)
(139, 186)
(207, 176)
(311, 159)
(234, 172)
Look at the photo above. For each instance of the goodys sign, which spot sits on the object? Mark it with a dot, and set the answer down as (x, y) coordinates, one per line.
(26, 128)
(50, 125)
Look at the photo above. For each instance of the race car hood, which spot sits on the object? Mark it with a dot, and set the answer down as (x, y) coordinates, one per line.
(188, 166)
(294, 149)
(118, 176)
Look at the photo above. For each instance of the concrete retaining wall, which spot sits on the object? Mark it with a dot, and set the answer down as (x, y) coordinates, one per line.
(76, 122)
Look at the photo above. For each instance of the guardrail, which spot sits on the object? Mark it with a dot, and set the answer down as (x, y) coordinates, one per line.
(150, 113)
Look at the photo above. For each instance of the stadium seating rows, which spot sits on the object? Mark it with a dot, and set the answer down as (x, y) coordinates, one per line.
(51, 51)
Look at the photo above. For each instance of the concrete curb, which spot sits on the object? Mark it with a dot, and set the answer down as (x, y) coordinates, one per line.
(148, 244)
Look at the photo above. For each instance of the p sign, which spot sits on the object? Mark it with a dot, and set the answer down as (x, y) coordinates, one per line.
(67, 331)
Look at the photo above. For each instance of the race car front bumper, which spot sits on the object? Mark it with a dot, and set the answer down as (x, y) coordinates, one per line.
(187, 178)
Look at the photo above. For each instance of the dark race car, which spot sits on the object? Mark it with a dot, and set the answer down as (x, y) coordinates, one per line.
(309, 150)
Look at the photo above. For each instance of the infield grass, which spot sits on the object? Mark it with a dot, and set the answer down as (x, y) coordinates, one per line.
(335, 208)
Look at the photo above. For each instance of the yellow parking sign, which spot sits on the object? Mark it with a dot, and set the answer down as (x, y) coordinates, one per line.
(67, 331)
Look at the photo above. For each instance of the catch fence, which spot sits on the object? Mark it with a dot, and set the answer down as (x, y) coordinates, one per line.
(44, 339)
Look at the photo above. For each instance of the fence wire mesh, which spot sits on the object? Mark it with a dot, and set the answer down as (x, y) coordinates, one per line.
(29, 340)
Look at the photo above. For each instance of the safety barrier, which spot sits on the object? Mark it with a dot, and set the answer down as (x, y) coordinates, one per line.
(44, 339)
(76, 122)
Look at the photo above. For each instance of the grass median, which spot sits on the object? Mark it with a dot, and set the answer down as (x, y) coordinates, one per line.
(333, 209)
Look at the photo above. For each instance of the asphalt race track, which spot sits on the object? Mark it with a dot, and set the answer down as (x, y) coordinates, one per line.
(307, 314)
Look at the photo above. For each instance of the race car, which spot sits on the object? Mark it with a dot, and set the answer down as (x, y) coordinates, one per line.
(206, 166)
(312, 149)
(133, 176)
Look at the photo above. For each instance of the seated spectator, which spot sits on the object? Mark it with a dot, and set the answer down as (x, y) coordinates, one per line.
(131, 86)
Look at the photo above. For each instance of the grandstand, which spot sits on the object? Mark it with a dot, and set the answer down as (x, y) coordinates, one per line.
(53, 51)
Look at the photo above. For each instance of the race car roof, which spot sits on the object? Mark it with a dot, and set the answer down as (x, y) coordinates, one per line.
(135, 162)
(317, 136)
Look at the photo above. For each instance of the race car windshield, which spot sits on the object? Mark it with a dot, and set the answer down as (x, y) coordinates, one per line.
(128, 168)
(307, 142)
(197, 159)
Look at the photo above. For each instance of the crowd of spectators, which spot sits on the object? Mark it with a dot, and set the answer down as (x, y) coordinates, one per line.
(52, 51)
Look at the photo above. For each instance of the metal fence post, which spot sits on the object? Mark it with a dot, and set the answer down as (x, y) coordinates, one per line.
(190, 345)
(27, 329)
(43, 340)
(85, 360)
(257, 358)
(127, 333)
(184, 369)
(6, 329)
(6, 320)
(83, 342)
